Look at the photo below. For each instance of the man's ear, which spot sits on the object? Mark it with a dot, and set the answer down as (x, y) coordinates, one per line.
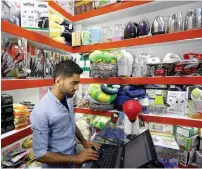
(58, 81)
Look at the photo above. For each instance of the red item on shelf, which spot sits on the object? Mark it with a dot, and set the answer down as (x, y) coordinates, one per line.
(132, 108)
(189, 56)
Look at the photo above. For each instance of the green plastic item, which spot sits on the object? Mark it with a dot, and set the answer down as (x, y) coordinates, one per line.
(100, 122)
(94, 90)
(102, 56)
(158, 100)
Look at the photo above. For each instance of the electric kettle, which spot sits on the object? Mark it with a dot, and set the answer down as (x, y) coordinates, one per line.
(193, 19)
(158, 26)
(175, 23)
(131, 30)
(144, 27)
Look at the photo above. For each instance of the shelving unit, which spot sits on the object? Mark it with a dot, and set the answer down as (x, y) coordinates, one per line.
(32, 36)
(97, 12)
(164, 38)
(104, 14)
(165, 119)
(15, 135)
(13, 84)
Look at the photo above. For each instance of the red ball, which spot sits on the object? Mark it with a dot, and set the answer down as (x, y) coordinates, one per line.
(132, 108)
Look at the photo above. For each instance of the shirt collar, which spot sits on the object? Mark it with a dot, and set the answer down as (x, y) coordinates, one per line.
(53, 97)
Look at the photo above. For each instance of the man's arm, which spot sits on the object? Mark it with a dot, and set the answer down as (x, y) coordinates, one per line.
(40, 129)
(56, 158)
(79, 136)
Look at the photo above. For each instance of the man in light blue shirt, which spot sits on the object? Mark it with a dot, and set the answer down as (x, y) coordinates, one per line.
(54, 128)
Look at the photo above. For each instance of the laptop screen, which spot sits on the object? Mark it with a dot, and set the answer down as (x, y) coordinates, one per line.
(139, 151)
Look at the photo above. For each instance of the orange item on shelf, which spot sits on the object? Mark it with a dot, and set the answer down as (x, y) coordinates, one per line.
(198, 115)
(22, 125)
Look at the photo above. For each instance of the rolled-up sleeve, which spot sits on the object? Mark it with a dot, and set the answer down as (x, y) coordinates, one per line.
(40, 129)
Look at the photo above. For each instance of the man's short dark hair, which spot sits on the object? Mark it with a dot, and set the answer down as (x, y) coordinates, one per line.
(67, 68)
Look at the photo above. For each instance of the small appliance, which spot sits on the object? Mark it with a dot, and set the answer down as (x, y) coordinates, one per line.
(158, 26)
(131, 30)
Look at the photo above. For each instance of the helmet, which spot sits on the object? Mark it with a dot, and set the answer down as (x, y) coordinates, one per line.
(171, 58)
(144, 27)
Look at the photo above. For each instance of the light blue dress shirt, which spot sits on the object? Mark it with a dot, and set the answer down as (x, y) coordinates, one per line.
(53, 129)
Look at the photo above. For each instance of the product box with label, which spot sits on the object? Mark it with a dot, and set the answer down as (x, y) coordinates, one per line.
(10, 11)
(176, 102)
(186, 143)
(167, 150)
(187, 131)
(164, 128)
(67, 6)
(187, 157)
(198, 159)
(193, 107)
(34, 15)
(83, 6)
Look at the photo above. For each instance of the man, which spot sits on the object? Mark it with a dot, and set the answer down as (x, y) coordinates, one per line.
(54, 128)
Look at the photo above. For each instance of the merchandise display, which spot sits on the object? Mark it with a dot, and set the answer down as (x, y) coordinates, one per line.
(34, 15)
(101, 97)
(140, 93)
(7, 116)
(19, 61)
(10, 11)
(167, 150)
(60, 29)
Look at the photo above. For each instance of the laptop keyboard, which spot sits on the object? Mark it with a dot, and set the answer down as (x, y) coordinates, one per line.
(107, 157)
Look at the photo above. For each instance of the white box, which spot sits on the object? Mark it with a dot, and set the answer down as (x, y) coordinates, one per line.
(187, 157)
(10, 11)
(176, 102)
(34, 15)
(187, 131)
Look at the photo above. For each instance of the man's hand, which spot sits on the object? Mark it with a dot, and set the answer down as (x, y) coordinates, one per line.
(87, 144)
(87, 154)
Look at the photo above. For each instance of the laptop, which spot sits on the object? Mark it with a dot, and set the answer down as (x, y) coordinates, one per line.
(138, 152)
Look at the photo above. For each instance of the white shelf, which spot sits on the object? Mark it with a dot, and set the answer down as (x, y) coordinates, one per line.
(14, 132)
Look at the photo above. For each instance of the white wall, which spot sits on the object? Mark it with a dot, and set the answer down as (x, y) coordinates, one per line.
(31, 95)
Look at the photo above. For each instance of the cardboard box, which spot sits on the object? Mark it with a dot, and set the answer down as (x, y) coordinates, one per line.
(198, 159)
(164, 128)
(187, 131)
(10, 11)
(67, 6)
(176, 102)
(83, 6)
(167, 150)
(34, 15)
(187, 157)
(186, 143)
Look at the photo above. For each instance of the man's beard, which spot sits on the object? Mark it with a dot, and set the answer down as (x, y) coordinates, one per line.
(69, 95)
